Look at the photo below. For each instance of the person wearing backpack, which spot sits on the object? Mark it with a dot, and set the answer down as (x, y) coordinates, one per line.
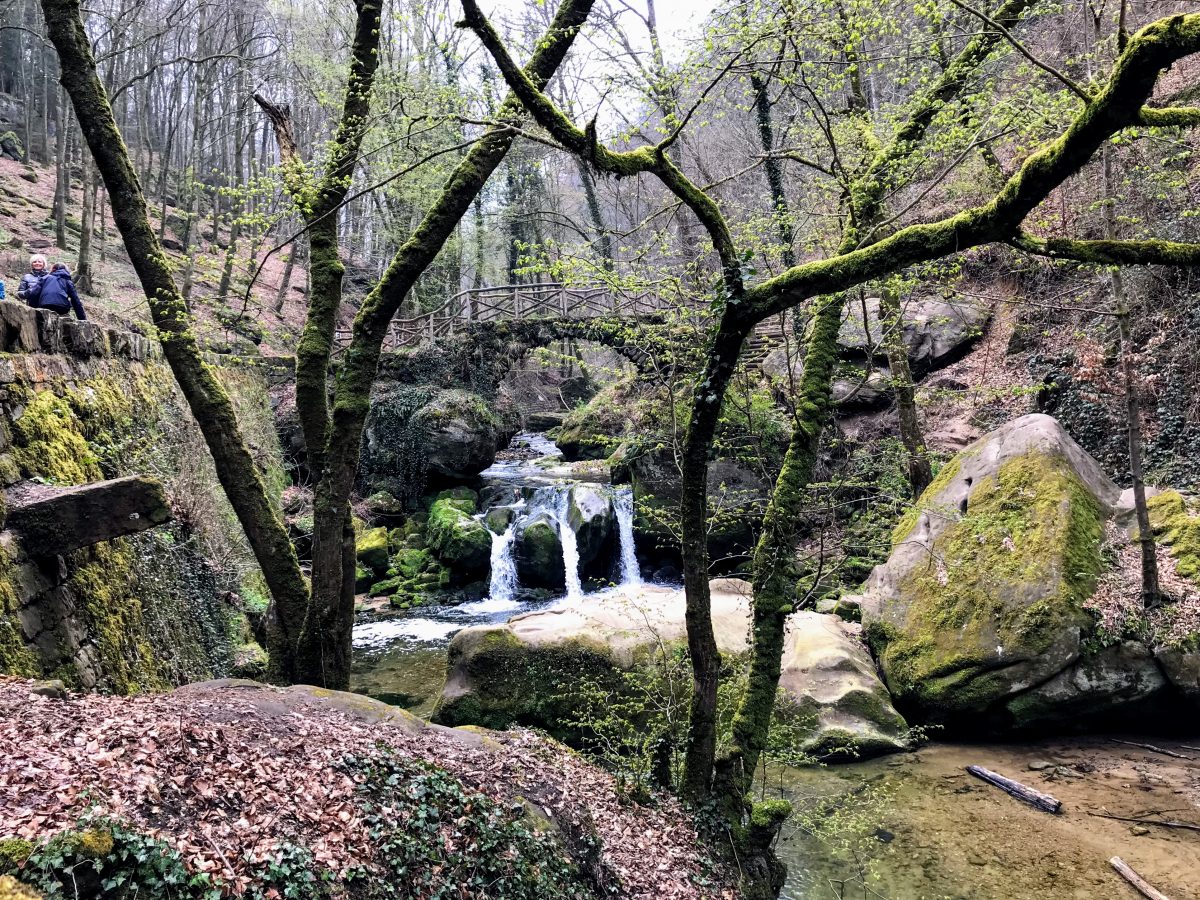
(58, 294)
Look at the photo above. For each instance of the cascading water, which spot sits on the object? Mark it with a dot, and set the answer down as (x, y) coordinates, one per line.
(631, 572)
(503, 585)
(570, 545)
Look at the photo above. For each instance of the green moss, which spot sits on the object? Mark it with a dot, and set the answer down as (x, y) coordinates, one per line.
(515, 683)
(11, 889)
(372, 549)
(49, 444)
(912, 515)
(250, 661)
(460, 541)
(13, 853)
(1178, 529)
(1033, 529)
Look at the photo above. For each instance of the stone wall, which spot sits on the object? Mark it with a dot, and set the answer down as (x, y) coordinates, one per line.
(80, 403)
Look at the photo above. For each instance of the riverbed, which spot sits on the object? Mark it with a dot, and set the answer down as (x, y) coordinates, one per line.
(927, 830)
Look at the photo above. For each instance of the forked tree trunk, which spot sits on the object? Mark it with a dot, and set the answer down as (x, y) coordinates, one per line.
(236, 470)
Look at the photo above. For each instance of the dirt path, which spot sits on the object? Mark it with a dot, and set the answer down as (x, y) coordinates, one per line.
(949, 835)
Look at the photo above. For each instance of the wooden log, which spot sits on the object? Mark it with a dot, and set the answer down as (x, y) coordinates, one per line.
(1034, 798)
(1186, 826)
(1151, 748)
(1139, 883)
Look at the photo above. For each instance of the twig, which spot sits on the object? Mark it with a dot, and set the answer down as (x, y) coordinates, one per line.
(1142, 886)
(1185, 825)
(1154, 749)
(1186, 747)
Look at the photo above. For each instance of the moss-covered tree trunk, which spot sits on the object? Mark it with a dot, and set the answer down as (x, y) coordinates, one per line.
(319, 204)
(326, 648)
(236, 469)
(891, 321)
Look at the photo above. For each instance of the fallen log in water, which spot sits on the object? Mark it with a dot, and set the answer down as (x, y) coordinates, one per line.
(1142, 886)
(1152, 748)
(1044, 802)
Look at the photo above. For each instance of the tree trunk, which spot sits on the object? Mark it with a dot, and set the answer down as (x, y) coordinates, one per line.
(327, 645)
(83, 268)
(236, 469)
(62, 184)
(891, 319)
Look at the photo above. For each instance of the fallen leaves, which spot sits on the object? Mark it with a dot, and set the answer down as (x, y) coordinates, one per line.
(225, 778)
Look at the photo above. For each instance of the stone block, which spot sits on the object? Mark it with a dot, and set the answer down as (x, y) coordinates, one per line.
(84, 338)
(118, 342)
(50, 331)
(20, 327)
(54, 521)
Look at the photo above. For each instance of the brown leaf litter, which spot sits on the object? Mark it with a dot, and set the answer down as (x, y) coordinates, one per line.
(227, 771)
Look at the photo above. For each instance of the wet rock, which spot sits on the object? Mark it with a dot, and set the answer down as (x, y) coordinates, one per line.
(590, 514)
(498, 519)
(461, 542)
(1040, 764)
(539, 553)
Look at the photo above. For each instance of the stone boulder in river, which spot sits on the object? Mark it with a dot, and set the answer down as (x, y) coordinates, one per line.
(524, 672)
(978, 617)
(539, 553)
(590, 514)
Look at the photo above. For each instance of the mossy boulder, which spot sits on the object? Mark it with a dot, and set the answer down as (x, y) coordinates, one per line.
(372, 549)
(978, 615)
(461, 542)
(539, 553)
(524, 672)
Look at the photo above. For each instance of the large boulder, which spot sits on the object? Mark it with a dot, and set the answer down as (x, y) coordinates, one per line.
(539, 553)
(524, 672)
(937, 331)
(461, 542)
(978, 616)
(591, 516)
(736, 495)
(844, 711)
(419, 433)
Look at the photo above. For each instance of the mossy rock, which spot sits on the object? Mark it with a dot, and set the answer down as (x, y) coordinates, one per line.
(372, 549)
(539, 554)
(1177, 527)
(250, 661)
(11, 889)
(983, 594)
(461, 542)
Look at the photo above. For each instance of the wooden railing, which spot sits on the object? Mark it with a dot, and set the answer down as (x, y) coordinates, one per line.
(545, 300)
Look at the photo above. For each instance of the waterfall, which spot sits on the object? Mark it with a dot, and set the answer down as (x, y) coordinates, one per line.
(570, 547)
(631, 572)
(503, 585)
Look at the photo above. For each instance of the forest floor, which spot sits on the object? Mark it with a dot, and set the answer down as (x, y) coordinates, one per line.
(947, 834)
(225, 772)
(27, 226)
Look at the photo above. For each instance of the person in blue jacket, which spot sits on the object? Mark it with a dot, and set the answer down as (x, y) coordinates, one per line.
(31, 281)
(58, 294)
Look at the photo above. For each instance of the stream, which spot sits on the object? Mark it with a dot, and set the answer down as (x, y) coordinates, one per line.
(401, 659)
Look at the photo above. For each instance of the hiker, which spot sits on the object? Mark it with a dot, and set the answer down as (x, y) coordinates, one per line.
(31, 281)
(58, 294)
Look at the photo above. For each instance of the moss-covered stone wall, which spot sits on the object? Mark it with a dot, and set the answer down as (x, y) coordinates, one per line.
(151, 610)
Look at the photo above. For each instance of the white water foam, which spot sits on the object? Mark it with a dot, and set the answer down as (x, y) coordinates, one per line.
(570, 547)
(503, 584)
(380, 634)
(631, 572)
